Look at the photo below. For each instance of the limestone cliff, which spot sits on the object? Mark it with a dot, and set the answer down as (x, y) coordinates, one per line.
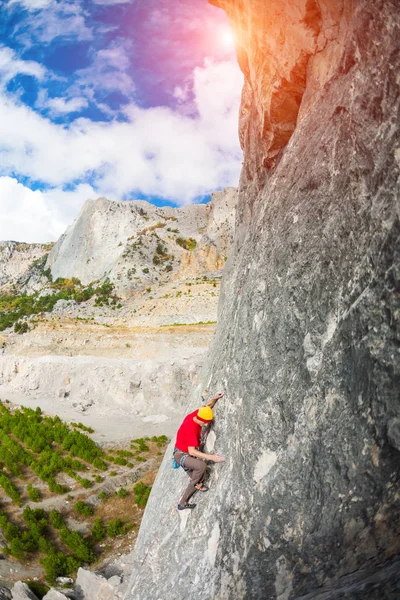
(307, 346)
(136, 244)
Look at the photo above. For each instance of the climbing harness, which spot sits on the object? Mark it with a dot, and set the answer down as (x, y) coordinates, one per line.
(181, 463)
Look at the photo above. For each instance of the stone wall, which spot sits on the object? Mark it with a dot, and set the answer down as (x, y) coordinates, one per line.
(307, 346)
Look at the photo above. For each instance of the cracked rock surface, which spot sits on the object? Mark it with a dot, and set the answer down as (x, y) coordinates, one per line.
(307, 345)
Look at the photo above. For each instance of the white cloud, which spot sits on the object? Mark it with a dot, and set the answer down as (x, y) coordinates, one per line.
(32, 4)
(157, 151)
(109, 2)
(108, 72)
(51, 19)
(60, 106)
(11, 65)
(35, 216)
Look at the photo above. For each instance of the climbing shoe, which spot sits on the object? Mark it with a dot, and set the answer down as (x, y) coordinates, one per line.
(183, 506)
(201, 487)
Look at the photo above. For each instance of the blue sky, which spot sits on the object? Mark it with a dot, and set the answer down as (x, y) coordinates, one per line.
(127, 99)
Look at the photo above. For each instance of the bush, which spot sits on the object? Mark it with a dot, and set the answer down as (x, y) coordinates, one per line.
(122, 493)
(141, 445)
(80, 547)
(160, 440)
(21, 327)
(115, 527)
(85, 483)
(33, 493)
(99, 463)
(56, 519)
(142, 493)
(83, 509)
(10, 489)
(57, 564)
(188, 244)
(98, 531)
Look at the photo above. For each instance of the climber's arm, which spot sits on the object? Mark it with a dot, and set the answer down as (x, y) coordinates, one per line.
(215, 398)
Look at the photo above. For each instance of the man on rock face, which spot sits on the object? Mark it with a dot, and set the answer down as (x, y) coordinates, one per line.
(186, 451)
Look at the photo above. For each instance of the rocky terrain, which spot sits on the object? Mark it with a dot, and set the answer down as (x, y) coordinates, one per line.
(123, 364)
(128, 365)
(307, 343)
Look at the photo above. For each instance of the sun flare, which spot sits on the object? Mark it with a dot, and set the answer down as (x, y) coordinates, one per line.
(227, 38)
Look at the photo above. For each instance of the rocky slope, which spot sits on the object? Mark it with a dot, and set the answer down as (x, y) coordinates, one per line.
(307, 346)
(136, 244)
(18, 262)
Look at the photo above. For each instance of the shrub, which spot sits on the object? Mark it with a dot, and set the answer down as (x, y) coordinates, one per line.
(56, 519)
(85, 483)
(10, 489)
(33, 493)
(98, 532)
(83, 509)
(122, 493)
(142, 493)
(160, 440)
(99, 463)
(124, 453)
(21, 327)
(103, 496)
(115, 527)
(57, 564)
(141, 444)
(76, 542)
(188, 244)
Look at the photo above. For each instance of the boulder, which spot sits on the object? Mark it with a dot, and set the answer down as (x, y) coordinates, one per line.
(90, 586)
(54, 594)
(21, 591)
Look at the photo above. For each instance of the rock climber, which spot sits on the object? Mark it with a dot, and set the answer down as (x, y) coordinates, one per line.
(186, 453)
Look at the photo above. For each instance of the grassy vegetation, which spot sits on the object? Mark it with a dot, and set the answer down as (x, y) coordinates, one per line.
(37, 448)
(186, 243)
(190, 324)
(15, 309)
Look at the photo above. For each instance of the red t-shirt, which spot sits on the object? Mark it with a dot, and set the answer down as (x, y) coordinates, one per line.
(189, 433)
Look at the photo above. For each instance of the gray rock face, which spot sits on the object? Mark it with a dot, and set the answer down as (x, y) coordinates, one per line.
(307, 347)
(16, 261)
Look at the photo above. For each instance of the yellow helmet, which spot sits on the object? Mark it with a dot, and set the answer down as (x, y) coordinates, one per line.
(205, 414)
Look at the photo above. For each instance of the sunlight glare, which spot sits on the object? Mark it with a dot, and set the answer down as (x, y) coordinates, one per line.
(227, 38)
